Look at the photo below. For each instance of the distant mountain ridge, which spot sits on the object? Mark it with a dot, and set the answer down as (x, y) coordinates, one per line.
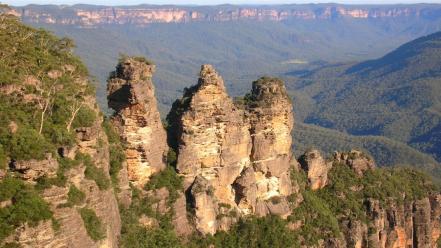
(397, 96)
(90, 15)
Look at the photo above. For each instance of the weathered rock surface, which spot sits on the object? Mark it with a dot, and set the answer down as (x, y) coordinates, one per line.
(31, 170)
(213, 145)
(232, 156)
(72, 233)
(408, 224)
(144, 15)
(356, 160)
(270, 113)
(131, 95)
(317, 169)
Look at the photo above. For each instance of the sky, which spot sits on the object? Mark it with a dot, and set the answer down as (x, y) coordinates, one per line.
(207, 2)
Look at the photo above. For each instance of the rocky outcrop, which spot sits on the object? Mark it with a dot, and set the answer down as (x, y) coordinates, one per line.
(213, 145)
(235, 161)
(31, 170)
(356, 160)
(131, 94)
(397, 225)
(90, 141)
(316, 168)
(270, 114)
(144, 15)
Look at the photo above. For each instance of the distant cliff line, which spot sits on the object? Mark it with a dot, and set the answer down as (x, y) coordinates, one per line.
(90, 15)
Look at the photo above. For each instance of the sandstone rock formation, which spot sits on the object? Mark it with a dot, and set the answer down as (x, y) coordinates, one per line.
(317, 169)
(356, 160)
(131, 95)
(213, 145)
(34, 169)
(144, 15)
(233, 160)
(91, 141)
(270, 113)
(408, 224)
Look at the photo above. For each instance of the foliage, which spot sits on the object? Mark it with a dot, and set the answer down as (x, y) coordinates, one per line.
(28, 144)
(140, 237)
(270, 231)
(3, 158)
(46, 83)
(385, 151)
(92, 172)
(93, 224)
(116, 150)
(167, 178)
(86, 117)
(135, 235)
(27, 206)
(319, 220)
(396, 96)
(75, 196)
(9, 187)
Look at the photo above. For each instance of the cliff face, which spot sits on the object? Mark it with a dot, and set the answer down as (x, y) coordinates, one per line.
(410, 224)
(389, 222)
(143, 15)
(52, 193)
(213, 146)
(131, 95)
(270, 114)
(72, 230)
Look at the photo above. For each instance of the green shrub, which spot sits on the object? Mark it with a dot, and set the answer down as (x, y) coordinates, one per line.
(92, 172)
(75, 196)
(140, 237)
(267, 232)
(27, 144)
(27, 206)
(9, 187)
(167, 178)
(117, 154)
(98, 175)
(86, 117)
(92, 224)
(319, 220)
(3, 158)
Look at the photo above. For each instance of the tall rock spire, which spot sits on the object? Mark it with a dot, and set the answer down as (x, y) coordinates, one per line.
(132, 95)
(213, 145)
(233, 159)
(267, 183)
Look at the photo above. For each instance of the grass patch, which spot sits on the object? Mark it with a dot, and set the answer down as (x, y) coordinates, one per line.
(92, 224)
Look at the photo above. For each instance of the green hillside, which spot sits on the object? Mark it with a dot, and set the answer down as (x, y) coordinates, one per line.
(387, 152)
(397, 96)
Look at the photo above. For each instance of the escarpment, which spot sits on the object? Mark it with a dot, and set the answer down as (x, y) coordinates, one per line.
(55, 188)
(131, 94)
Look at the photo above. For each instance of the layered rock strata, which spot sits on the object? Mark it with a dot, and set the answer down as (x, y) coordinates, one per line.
(132, 95)
(270, 114)
(144, 15)
(235, 161)
(90, 141)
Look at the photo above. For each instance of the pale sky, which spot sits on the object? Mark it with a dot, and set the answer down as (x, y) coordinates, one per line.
(209, 2)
